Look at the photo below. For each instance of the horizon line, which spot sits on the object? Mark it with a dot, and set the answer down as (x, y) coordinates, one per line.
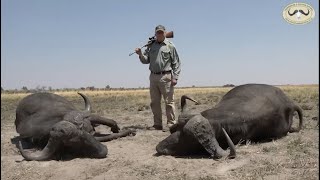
(45, 88)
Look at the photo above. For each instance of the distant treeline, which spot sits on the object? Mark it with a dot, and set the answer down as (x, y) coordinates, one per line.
(43, 89)
(24, 89)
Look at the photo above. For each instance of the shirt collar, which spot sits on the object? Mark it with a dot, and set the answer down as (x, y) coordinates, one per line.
(166, 41)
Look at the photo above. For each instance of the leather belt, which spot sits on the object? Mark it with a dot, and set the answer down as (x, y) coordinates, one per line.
(162, 72)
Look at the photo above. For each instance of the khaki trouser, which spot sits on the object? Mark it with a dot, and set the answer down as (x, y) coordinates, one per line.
(160, 85)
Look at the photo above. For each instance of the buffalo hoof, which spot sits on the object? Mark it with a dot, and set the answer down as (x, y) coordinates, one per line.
(132, 132)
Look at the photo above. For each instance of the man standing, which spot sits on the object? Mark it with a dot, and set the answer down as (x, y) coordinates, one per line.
(165, 68)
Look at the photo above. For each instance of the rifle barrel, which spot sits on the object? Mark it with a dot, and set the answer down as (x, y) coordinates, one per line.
(168, 35)
(150, 42)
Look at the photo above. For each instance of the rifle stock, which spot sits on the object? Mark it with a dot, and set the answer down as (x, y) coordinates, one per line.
(169, 34)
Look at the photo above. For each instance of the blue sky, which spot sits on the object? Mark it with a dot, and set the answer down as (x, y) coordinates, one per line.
(80, 43)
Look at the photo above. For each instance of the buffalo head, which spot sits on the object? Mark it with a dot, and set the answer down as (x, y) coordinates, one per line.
(191, 132)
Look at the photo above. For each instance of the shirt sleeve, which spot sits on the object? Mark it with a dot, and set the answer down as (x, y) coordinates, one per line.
(175, 63)
(144, 59)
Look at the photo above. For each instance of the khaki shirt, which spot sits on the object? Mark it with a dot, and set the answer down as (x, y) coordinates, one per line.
(162, 57)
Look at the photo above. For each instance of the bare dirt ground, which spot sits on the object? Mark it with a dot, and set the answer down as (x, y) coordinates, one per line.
(295, 156)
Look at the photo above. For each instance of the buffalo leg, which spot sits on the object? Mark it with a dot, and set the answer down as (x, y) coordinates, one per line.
(113, 136)
(95, 119)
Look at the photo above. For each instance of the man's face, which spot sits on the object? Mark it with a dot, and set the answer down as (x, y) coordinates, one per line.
(160, 35)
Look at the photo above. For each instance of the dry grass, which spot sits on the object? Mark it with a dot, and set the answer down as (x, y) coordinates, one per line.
(292, 157)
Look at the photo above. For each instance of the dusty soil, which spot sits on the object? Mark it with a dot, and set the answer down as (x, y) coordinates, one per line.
(292, 157)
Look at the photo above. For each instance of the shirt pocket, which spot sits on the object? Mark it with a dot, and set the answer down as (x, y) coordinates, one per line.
(165, 54)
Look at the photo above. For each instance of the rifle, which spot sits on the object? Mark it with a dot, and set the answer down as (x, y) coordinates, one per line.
(153, 39)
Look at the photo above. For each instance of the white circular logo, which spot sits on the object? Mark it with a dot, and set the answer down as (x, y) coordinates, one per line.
(298, 13)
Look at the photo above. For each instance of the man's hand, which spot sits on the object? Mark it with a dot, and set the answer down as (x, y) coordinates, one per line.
(174, 81)
(138, 51)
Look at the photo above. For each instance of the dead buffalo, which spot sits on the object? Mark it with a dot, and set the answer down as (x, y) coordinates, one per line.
(255, 112)
(50, 121)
